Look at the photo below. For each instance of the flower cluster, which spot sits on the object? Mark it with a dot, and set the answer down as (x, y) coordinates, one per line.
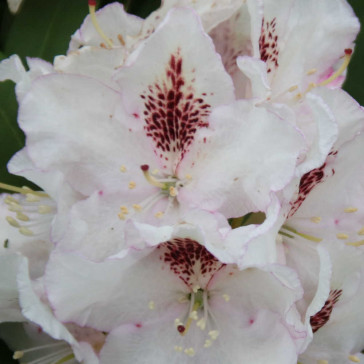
(201, 190)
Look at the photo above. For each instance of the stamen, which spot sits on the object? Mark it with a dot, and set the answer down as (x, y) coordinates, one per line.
(25, 231)
(137, 207)
(351, 209)
(226, 297)
(18, 355)
(308, 237)
(356, 243)
(44, 209)
(312, 71)
(179, 349)
(354, 359)
(123, 169)
(12, 222)
(361, 231)
(22, 190)
(65, 359)
(293, 88)
(214, 334)
(208, 343)
(124, 210)
(342, 236)
(190, 352)
(343, 67)
(316, 219)
(150, 178)
(173, 191)
(92, 6)
(322, 361)
(121, 39)
(151, 305)
(132, 185)
(22, 217)
(159, 214)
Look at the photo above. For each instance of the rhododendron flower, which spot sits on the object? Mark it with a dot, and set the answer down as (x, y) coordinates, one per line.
(175, 301)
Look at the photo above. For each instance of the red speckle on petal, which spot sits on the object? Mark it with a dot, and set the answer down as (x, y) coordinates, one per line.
(189, 260)
(138, 325)
(321, 317)
(136, 115)
(172, 111)
(251, 321)
(101, 193)
(268, 44)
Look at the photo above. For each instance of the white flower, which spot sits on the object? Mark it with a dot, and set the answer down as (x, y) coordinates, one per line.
(175, 301)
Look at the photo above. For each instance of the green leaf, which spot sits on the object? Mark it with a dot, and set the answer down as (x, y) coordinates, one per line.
(43, 28)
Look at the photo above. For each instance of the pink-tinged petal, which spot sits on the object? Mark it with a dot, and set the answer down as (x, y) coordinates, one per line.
(318, 124)
(338, 333)
(85, 132)
(117, 25)
(98, 63)
(9, 305)
(330, 205)
(233, 38)
(256, 70)
(250, 171)
(177, 86)
(347, 112)
(138, 278)
(326, 28)
(210, 13)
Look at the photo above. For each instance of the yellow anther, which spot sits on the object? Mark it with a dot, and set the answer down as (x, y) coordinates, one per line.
(343, 67)
(92, 6)
(44, 209)
(195, 288)
(121, 216)
(351, 209)
(316, 219)
(137, 207)
(190, 352)
(12, 221)
(312, 71)
(188, 176)
(361, 231)
(32, 198)
(179, 349)
(25, 231)
(356, 243)
(22, 217)
(226, 297)
(151, 305)
(298, 96)
(207, 344)
(173, 191)
(124, 210)
(342, 236)
(193, 315)
(132, 185)
(354, 359)
(18, 355)
(311, 86)
(159, 214)
(183, 299)
(123, 169)
(121, 39)
(322, 361)
(213, 334)
(15, 207)
(293, 88)
(201, 324)
(9, 200)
